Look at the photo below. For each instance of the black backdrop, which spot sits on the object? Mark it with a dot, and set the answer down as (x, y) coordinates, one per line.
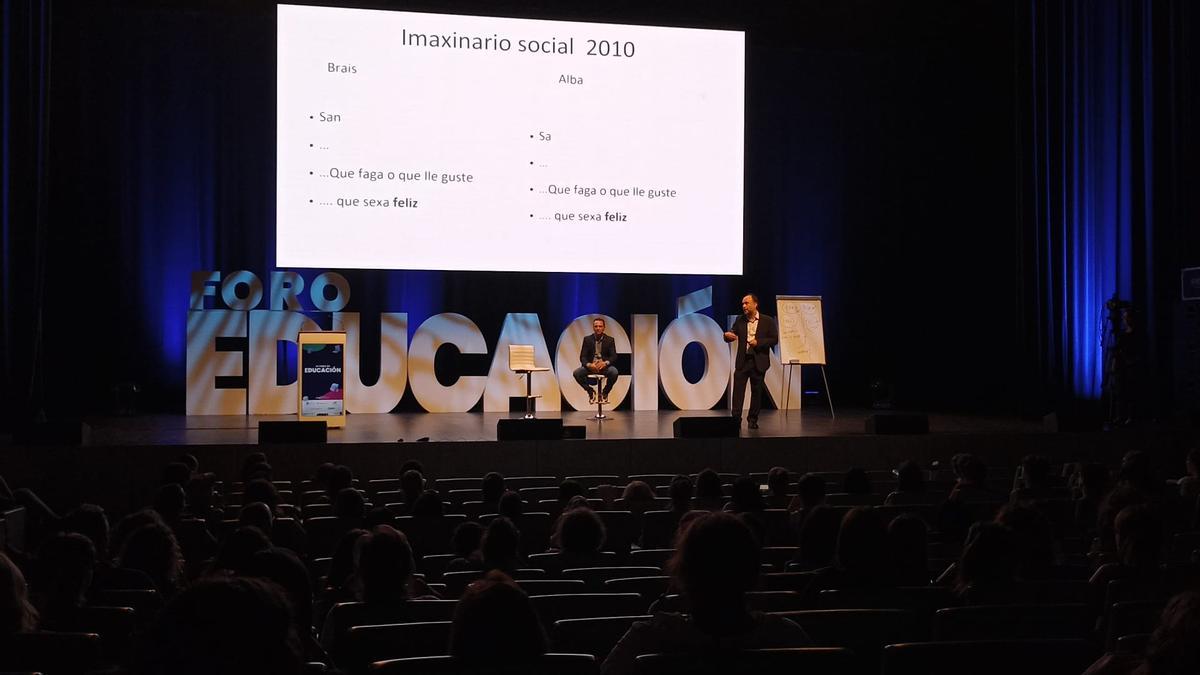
(885, 156)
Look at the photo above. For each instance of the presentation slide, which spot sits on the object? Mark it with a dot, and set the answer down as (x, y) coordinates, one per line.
(417, 141)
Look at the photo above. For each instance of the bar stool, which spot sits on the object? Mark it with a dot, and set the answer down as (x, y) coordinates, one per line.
(521, 361)
(598, 381)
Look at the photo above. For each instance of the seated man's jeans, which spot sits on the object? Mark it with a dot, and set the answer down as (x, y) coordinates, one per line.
(610, 373)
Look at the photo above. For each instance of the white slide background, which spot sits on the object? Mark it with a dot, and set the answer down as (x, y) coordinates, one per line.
(671, 117)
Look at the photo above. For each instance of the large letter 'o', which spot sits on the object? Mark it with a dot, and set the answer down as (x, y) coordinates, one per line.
(681, 332)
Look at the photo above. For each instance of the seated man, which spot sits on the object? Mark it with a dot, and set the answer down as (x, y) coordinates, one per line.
(596, 358)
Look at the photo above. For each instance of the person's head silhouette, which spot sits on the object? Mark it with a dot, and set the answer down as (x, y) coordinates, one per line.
(234, 625)
(385, 565)
(717, 561)
(494, 623)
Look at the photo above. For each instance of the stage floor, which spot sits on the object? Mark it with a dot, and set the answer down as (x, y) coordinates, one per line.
(473, 426)
(125, 456)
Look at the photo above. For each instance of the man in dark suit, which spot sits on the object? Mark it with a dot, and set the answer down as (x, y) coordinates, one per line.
(597, 356)
(755, 335)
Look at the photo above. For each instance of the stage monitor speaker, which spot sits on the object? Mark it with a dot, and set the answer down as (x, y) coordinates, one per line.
(898, 423)
(292, 431)
(66, 433)
(706, 427)
(520, 429)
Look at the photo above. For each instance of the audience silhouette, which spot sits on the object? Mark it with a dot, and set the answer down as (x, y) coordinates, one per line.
(717, 562)
(217, 587)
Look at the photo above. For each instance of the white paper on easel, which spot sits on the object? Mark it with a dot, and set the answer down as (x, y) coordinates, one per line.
(801, 330)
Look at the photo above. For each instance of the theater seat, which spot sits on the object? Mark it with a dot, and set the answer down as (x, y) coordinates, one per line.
(925, 599)
(377, 485)
(434, 566)
(463, 495)
(853, 499)
(781, 531)
(535, 528)
(548, 664)
(786, 581)
(145, 603)
(652, 479)
(392, 499)
(594, 577)
(621, 531)
(594, 635)
(1129, 618)
(649, 588)
(778, 556)
(445, 485)
(534, 587)
(1137, 590)
(115, 626)
(346, 615)
(430, 535)
(1055, 592)
(518, 482)
(50, 653)
(651, 557)
(551, 608)
(1014, 622)
(313, 497)
(864, 631)
(323, 535)
(552, 562)
(195, 541)
(988, 657)
(532, 495)
(1133, 644)
(759, 601)
(367, 644)
(658, 528)
(1183, 545)
(289, 534)
(457, 582)
(808, 661)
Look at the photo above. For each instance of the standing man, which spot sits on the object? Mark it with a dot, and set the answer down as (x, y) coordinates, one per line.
(755, 334)
(596, 358)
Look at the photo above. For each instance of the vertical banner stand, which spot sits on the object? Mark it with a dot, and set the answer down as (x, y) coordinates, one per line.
(320, 377)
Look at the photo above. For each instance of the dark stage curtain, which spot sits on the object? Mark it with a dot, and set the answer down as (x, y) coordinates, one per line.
(25, 229)
(881, 145)
(877, 178)
(1104, 111)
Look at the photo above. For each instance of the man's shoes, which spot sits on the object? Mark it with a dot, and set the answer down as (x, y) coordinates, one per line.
(591, 397)
(753, 424)
(604, 399)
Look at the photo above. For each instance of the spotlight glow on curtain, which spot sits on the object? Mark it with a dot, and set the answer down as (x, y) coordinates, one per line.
(1088, 125)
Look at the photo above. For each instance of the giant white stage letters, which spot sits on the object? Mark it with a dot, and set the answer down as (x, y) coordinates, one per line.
(233, 329)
